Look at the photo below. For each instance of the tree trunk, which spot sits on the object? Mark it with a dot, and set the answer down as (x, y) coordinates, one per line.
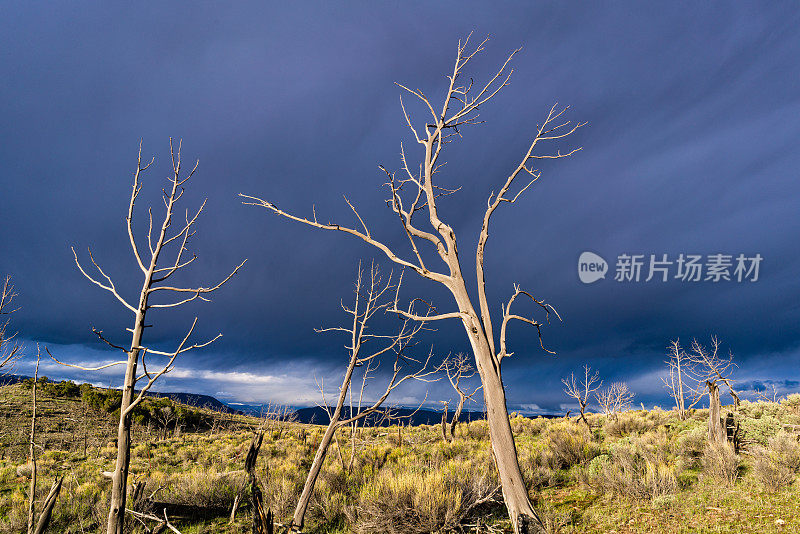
(583, 415)
(311, 479)
(456, 417)
(322, 450)
(504, 450)
(716, 428)
(681, 401)
(119, 480)
(47, 507)
(515, 495)
(444, 423)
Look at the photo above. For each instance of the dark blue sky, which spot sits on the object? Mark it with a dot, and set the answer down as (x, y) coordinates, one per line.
(690, 148)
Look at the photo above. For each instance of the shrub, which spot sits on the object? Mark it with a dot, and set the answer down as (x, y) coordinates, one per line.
(784, 449)
(759, 430)
(416, 502)
(627, 423)
(774, 466)
(478, 430)
(209, 490)
(792, 401)
(772, 475)
(638, 467)
(721, 462)
(524, 425)
(690, 446)
(570, 445)
(630, 473)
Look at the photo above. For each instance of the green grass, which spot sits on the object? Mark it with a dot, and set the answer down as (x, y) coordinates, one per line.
(645, 472)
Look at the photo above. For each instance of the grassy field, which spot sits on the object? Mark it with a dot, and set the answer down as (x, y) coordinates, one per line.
(643, 471)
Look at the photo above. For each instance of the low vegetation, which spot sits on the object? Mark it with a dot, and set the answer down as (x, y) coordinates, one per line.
(642, 471)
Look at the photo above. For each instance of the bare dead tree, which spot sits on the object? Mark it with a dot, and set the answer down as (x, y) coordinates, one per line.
(155, 274)
(681, 377)
(614, 399)
(32, 448)
(9, 348)
(765, 395)
(165, 416)
(365, 349)
(458, 369)
(712, 369)
(580, 390)
(415, 191)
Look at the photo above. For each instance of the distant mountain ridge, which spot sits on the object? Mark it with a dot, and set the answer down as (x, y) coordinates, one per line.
(317, 415)
(308, 415)
(197, 400)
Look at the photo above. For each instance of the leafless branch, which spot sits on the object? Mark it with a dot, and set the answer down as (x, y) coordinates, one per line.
(9, 348)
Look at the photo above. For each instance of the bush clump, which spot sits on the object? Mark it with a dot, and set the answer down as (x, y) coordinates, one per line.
(775, 465)
(721, 462)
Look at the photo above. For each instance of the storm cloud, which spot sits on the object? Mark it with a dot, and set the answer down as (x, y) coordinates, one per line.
(689, 149)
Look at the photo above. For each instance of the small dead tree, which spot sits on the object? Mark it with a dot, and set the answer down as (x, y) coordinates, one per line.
(155, 274)
(32, 448)
(614, 399)
(681, 371)
(165, 416)
(712, 369)
(580, 390)
(458, 369)
(414, 192)
(768, 395)
(38, 526)
(9, 348)
(365, 350)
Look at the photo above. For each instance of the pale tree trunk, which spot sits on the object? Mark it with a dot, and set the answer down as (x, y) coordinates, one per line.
(47, 507)
(32, 452)
(322, 451)
(119, 480)
(456, 416)
(444, 423)
(515, 494)
(504, 450)
(716, 429)
(681, 401)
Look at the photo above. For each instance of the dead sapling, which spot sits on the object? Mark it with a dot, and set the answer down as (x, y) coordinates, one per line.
(582, 389)
(614, 399)
(374, 295)
(459, 370)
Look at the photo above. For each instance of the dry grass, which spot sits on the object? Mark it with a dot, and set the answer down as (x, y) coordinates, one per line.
(647, 471)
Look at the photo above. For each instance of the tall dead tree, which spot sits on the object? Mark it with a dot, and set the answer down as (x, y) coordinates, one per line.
(9, 348)
(680, 368)
(416, 191)
(711, 370)
(458, 369)
(155, 274)
(580, 390)
(365, 350)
